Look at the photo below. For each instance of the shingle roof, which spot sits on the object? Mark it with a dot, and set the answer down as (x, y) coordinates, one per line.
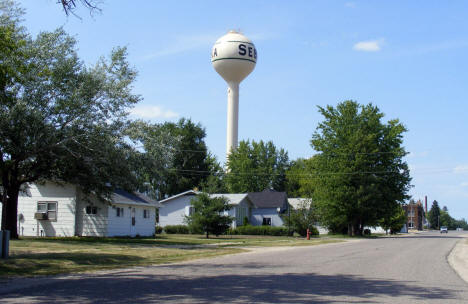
(123, 197)
(233, 198)
(268, 199)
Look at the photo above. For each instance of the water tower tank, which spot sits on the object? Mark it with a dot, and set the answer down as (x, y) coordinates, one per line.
(234, 57)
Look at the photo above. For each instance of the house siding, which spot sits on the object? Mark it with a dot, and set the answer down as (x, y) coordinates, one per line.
(259, 214)
(122, 226)
(174, 211)
(91, 224)
(66, 212)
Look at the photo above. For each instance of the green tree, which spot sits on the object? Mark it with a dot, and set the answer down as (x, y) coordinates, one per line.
(155, 156)
(207, 215)
(301, 218)
(434, 215)
(214, 182)
(191, 162)
(446, 219)
(254, 167)
(59, 120)
(299, 178)
(395, 220)
(359, 169)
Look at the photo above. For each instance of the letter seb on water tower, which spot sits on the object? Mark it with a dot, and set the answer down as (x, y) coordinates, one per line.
(234, 57)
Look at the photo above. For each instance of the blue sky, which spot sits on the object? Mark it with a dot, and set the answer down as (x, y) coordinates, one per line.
(406, 57)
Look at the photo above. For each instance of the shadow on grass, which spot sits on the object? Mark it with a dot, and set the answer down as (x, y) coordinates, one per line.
(131, 287)
(115, 240)
(54, 263)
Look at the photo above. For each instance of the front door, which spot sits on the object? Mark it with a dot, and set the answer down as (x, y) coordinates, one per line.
(133, 223)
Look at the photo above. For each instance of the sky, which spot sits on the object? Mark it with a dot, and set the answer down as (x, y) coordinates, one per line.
(406, 57)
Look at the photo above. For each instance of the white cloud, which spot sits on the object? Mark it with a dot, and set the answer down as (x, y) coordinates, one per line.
(369, 46)
(152, 112)
(183, 44)
(461, 169)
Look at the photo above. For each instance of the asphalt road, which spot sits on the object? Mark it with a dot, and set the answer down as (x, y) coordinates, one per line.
(410, 269)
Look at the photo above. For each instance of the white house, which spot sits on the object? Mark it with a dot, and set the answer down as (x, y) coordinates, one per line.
(260, 208)
(56, 210)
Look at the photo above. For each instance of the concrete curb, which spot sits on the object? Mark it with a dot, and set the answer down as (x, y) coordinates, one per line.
(458, 259)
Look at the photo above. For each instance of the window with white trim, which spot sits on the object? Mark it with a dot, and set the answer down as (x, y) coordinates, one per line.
(146, 213)
(120, 212)
(50, 208)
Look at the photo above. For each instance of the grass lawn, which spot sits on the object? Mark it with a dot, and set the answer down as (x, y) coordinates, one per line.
(50, 256)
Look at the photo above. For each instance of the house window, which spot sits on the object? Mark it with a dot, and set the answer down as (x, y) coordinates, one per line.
(266, 221)
(191, 210)
(145, 213)
(157, 215)
(120, 212)
(91, 209)
(50, 208)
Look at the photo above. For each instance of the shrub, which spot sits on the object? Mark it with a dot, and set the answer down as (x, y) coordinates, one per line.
(176, 229)
(259, 230)
(367, 231)
(158, 230)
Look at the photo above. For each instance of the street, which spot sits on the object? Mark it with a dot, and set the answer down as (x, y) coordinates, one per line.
(408, 269)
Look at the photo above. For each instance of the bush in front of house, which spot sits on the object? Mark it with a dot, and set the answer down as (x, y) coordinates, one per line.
(176, 229)
(259, 230)
(158, 230)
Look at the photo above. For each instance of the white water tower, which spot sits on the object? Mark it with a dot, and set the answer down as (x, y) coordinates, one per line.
(234, 57)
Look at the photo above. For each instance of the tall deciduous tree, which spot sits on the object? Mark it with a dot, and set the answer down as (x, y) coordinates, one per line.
(256, 166)
(155, 155)
(360, 169)
(191, 163)
(59, 120)
(208, 215)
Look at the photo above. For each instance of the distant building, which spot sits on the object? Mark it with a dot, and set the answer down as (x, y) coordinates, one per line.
(260, 208)
(415, 214)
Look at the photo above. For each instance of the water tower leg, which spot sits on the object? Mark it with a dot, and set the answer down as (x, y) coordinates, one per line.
(232, 117)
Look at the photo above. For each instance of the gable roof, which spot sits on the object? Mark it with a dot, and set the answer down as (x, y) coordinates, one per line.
(189, 192)
(233, 198)
(124, 197)
(268, 199)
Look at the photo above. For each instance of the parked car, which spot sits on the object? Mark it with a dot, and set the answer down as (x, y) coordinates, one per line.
(443, 229)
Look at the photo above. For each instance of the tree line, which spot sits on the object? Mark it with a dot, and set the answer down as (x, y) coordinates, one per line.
(67, 122)
(438, 217)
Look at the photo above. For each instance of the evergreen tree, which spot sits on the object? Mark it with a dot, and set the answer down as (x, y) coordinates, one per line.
(207, 215)
(434, 215)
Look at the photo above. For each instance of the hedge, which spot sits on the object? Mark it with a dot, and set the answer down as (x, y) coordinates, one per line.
(259, 230)
(176, 229)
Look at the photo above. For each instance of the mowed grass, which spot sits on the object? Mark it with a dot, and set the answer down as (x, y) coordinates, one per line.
(51, 256)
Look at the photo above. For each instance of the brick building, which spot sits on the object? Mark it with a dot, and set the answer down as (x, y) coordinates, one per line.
(415, 213)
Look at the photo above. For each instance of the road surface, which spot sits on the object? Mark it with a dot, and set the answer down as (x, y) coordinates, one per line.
(411, 269)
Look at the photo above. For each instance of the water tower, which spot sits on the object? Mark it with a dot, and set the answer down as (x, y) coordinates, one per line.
(234, 57)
